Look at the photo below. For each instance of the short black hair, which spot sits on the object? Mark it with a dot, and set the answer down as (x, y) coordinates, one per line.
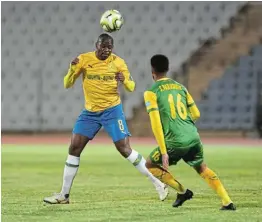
(104, 36)
(160, 63)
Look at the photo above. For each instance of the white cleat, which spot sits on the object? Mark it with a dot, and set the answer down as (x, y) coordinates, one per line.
(162, 191)
(57, 198)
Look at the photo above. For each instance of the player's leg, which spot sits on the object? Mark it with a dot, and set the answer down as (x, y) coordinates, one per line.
(115, 125)
(195, 159)
(174, 156)
(153, 163)
(138, 161)
(78, 143)
(84, 130)
(215, 183)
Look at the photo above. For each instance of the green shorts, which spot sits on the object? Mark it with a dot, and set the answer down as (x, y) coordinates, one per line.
(193, 156)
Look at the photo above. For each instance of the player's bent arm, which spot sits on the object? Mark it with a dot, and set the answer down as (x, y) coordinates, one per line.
(73, 73)
(129, 83)
(152, 109)
(194, 111)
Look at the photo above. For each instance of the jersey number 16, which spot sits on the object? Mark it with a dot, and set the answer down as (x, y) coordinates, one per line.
(180, 106)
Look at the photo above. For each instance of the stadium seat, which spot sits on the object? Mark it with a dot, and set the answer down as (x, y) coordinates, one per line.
(39, 39)
(233, 98)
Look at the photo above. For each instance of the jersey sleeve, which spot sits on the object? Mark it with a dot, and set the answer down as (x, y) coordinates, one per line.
(152, 108)
(74, 71)
(194, 111)
(129, 83)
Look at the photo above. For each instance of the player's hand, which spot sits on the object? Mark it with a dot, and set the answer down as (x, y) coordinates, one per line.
(165, 161)
(120, 77)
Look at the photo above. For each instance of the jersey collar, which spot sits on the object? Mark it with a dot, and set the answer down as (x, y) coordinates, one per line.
(165, 78)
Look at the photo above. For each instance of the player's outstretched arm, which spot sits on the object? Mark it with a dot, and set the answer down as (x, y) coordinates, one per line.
(194, 111)
(152, 109)
(73, 72)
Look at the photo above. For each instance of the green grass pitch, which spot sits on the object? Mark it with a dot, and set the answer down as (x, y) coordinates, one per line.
(109, 188)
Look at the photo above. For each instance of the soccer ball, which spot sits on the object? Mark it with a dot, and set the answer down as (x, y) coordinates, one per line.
(111, 20)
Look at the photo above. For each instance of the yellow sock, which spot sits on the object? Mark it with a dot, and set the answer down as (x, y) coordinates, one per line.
(167, 178)
(214, 182)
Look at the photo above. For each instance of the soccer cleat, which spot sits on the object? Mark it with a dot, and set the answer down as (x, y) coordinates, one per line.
(57, 198)
(162, 191)
(181, 198)
(230, 206)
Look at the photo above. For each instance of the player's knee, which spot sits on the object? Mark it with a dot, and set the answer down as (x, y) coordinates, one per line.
(148, 163)
(123, 148)
(78, 143)
(125, 151)
(200, 168)
(75, 150)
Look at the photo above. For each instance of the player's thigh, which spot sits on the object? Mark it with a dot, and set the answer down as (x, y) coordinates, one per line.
(87, 124)
(118, 131)
(200, 168)
(156, 157)
(175, 155)
(114, 123)
(195, 156)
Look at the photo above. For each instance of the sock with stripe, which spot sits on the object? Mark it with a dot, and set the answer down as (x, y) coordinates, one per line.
(214, 182)
(140, 163)
(70, 170)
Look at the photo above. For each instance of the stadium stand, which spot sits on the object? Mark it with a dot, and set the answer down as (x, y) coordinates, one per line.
(231, 101)
(39, 39)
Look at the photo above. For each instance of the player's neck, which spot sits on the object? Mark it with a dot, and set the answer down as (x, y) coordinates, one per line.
(158, 78)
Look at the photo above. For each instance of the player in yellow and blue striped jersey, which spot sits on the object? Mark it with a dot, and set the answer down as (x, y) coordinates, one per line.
(102, 72)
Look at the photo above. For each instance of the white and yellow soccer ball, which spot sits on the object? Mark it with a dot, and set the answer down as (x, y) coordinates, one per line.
(111, 20)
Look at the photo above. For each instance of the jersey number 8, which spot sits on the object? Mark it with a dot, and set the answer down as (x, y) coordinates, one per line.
(181, 108)
(121, 125)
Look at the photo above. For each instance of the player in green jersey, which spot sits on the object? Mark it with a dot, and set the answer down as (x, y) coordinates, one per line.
(173, 114)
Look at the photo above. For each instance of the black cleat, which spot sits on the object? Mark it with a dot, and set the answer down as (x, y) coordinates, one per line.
(181, 198)
(231, 206)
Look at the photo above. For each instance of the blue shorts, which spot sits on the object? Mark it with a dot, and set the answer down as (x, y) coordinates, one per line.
(113, 120)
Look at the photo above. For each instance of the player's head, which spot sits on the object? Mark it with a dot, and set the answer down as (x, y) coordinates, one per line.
(159, 66)
(104, 46)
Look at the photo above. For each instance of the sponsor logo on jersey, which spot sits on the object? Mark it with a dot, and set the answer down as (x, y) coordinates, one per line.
(100, 77)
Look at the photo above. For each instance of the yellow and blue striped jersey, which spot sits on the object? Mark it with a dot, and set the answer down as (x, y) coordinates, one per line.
(99, 84)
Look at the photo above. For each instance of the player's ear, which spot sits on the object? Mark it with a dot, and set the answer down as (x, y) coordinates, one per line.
(152, 70)
(153, 75)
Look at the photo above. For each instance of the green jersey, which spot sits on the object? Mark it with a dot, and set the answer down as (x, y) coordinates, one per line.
(173, 102)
